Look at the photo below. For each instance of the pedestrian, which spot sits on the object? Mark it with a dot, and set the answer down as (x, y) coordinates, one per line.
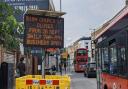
(53, 69)
(60, 68)
(65, 67)
(21, 67)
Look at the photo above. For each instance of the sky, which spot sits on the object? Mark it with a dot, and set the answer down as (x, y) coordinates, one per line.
(84, 15)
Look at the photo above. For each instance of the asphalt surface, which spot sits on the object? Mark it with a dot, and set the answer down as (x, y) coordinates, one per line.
(78, 81)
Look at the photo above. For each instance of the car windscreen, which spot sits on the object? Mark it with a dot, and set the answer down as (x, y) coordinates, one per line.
(92, 65)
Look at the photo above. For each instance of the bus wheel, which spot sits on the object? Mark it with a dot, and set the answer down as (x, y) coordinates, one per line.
(84, 74)
(105, 87)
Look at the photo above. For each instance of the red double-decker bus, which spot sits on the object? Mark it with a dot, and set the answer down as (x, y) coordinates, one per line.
(80, 59)
(112, 53)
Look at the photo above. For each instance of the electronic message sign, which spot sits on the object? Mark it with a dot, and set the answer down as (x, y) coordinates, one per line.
(42, 31)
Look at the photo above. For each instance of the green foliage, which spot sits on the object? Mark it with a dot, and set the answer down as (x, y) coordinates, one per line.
(9, 27)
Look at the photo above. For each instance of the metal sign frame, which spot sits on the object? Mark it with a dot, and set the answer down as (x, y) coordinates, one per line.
(57, 26)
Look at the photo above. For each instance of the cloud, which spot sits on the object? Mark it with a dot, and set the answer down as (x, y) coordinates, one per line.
(83, 15)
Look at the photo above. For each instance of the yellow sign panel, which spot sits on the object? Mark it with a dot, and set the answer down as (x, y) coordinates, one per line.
(64, 55)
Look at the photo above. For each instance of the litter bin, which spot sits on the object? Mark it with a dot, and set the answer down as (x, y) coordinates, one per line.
(7, 75)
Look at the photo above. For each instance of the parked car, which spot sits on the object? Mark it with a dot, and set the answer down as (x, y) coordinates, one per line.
(90, 70)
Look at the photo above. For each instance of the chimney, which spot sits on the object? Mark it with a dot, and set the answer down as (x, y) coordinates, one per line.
(126, 2)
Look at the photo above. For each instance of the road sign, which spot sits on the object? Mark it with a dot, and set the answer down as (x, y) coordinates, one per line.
(35, 82)
(64, 55)
(49, 82)
(43, 31)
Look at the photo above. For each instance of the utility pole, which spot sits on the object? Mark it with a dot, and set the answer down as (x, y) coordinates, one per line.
(60, 6)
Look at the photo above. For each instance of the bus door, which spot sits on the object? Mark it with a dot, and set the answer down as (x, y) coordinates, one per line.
(118, 62)
(123, 60)
(113, 77)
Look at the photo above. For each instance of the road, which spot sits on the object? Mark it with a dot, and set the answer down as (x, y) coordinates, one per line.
(78, 81)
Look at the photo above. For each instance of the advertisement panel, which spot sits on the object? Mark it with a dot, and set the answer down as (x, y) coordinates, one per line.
(42, 31)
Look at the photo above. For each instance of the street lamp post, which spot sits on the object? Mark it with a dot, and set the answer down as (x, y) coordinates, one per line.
(93, 44)
(94, 50)
(68, 58)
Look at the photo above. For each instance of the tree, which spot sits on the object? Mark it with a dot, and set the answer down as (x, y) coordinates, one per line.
(10, 29)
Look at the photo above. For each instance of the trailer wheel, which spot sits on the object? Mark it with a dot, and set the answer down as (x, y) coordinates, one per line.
(105, 87)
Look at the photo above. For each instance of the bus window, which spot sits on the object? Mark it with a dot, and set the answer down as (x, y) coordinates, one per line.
(81, 52)
(99, 58)
(105, 60)
(81, 60)
(122, 61)
(113, 60)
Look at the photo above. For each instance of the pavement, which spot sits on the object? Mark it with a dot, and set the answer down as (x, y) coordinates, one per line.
(63, 73)
(68, 72)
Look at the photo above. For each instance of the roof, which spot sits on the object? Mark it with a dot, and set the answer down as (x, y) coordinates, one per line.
(82, 38)
(113, 21)
(98, 30)
(45, 13)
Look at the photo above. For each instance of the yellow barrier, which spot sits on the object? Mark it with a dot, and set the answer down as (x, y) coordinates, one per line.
(37, 82)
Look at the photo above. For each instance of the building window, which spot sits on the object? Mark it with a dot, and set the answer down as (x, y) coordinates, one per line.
(36, 7)
(26, 7)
